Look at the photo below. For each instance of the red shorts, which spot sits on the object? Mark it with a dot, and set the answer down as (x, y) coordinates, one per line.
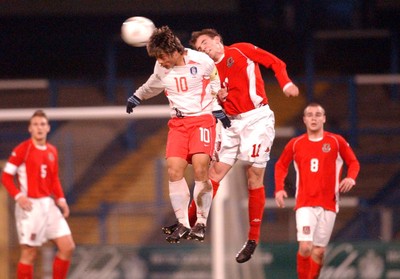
(191, 135)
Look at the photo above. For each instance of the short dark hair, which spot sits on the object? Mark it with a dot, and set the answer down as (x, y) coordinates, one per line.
(163, 40)
(208, 32)
(39, 113)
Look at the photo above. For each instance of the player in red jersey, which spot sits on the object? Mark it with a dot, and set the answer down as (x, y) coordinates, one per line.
(318, 158)
(39, 192)
(251, 135)
(190, 81)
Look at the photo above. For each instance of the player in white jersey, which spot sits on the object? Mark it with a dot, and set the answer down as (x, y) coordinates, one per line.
(251, 135)
(190, 81)
(37, 195)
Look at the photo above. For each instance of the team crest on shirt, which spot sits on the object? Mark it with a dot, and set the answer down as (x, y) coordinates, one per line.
(229, 62)
(193, 70)
(33, 236)
(306, 230)
(326, 147)
(51, 157)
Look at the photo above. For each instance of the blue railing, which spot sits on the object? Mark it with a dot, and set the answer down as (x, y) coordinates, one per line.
(106, 209)
(376, 217)
(110, 84)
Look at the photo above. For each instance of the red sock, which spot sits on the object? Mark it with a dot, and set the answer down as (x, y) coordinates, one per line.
(192, 206)
(256, 211)
(24, 271)
(303, 266)
(60, 268)
(315, 269)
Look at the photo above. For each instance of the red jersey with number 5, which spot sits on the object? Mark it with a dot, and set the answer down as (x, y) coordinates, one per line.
(239, 72)
(37, 171)
(318, 165)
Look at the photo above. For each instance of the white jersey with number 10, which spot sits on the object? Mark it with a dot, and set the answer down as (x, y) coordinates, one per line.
(190, 89)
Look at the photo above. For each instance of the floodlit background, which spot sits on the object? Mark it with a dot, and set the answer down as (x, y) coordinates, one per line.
(67, 55)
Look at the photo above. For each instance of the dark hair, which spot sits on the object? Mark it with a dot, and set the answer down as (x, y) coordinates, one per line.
(208, 31)
(164, 41)
(39, 113)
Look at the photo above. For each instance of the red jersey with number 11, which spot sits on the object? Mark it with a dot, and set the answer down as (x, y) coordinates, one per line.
(318, 166)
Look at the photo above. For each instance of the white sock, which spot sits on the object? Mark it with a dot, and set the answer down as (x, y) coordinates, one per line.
(179, 195)
(202, 195)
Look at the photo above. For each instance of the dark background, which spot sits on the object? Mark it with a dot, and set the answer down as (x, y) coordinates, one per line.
(71, 39)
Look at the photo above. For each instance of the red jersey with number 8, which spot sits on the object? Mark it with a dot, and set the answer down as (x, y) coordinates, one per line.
(318, 165)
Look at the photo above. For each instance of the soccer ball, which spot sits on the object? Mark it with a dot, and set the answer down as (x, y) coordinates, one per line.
(136, 31)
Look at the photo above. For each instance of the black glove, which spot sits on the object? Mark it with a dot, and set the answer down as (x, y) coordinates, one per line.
(219, 114)
(133, 101)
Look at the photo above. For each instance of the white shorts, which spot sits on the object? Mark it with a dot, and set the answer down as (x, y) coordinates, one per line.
(249, 138)
(42, 223)
(315, 224)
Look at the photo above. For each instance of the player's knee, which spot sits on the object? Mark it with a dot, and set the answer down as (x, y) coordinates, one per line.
(200, 173)
(67, 250)
(305, 248)
(175, 174)
(318, 252)
(255, 178)
(71, 248)
(218, 170)
(28, 255)
(66, 246)
(212, 174)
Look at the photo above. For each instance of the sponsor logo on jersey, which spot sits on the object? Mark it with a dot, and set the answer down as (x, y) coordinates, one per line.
(306, 230)
(326, 147)
(229, 62)
(193, 70)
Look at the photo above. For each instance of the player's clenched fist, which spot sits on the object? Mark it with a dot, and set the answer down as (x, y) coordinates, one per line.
(132, 102)
(219, 114)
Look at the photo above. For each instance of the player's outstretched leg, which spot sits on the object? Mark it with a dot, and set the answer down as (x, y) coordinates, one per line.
(246, 252)
(256, 209)
(180, 197)
(192, 212)
(202, 195)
